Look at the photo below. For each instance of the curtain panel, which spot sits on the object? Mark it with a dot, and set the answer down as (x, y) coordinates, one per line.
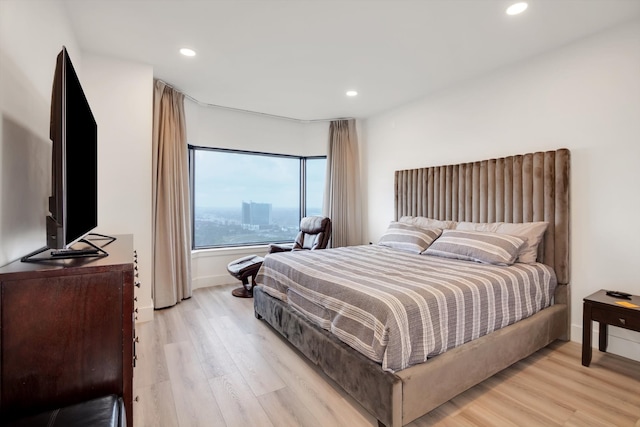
(342, 201)
(171, 208)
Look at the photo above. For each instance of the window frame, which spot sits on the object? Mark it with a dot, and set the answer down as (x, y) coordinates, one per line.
(192, 170)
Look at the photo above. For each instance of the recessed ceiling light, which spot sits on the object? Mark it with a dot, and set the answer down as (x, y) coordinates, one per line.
(187, 52)
(352, 93)
(517, 8)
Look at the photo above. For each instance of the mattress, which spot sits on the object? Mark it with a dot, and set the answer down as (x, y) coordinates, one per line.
(399, 308)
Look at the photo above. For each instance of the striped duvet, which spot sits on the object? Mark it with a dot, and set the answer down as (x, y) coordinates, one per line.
(399, 308)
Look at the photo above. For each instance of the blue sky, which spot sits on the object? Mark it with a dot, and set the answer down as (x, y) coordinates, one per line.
(261, 179)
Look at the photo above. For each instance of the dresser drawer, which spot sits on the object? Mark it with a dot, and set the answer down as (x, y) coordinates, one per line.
(622, 318)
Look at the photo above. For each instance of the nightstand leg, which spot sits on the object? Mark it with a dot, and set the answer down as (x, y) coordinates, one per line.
(602, 345)
(586, 334)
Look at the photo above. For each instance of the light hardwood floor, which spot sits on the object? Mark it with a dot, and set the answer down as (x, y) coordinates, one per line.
(209, 362)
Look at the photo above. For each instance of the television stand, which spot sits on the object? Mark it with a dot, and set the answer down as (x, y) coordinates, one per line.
(74, 253)
(91, 250)
(98, 236)
(67, 333)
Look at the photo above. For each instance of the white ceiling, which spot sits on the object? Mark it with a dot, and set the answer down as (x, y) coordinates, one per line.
(297, 58)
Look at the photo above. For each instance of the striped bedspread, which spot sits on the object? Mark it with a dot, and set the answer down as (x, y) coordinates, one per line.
(399, 308)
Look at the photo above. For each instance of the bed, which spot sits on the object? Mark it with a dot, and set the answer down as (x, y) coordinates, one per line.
(393, 381)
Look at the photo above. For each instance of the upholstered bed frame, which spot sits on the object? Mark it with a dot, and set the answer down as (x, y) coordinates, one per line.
(523, 188)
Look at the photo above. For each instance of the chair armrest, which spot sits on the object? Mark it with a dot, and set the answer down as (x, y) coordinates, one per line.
(284, 247)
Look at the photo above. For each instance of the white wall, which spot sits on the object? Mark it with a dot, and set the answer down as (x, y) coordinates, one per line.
(32, 34)
(224, 128)
(121, 97)
(585, 97)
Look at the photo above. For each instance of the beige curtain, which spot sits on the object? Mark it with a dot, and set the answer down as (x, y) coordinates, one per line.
(342, 193)
(171, 209)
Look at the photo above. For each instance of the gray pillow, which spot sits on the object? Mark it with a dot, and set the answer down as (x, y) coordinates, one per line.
(485, 247)
(531, 232)
(408, 237)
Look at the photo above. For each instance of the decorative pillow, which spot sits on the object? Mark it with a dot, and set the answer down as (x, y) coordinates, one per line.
(531, 232)
(408, 237)
(488, 248)
(424, 222)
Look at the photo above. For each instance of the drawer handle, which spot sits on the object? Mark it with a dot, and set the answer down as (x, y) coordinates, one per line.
(622, 321)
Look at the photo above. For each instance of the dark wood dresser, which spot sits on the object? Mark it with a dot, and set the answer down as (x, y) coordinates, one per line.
(66, 331)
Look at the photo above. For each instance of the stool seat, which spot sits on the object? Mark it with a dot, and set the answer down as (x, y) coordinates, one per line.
(242, 269)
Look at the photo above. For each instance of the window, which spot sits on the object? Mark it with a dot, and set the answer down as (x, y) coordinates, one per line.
(315, 171)
(244, 198)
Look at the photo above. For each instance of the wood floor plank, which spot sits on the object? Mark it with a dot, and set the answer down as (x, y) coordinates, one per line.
(511, 409)
(475, 408)
(615, 386)
(172, 325)
(238, 404)
(285, 409)
(260, 376)
(594, 400)
(440, 418)
(226, 305)
(209, 302)
(209, 362)
(581, 419)
(610, 363)
(532, 398)
(213, 356)
(194, 400)
(155, 406)
(562, 389)
(324, 399)
(151, 365)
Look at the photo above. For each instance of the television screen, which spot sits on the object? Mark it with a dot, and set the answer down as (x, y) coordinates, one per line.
(74, 201)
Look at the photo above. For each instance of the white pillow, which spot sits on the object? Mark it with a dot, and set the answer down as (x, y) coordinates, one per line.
(531, 232)
(424, 222)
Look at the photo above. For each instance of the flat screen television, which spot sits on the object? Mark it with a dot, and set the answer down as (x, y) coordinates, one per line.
(73, 205)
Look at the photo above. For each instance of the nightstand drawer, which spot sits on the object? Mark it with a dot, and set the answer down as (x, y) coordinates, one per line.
(616, 318)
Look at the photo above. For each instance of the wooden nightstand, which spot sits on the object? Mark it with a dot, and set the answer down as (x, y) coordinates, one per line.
(623, 313)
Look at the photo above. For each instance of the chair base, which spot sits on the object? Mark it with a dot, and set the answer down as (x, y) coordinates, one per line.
(241, 292)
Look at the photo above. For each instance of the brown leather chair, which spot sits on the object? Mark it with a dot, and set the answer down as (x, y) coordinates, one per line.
(315, 232)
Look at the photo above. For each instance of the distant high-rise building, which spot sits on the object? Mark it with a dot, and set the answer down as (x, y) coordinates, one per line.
(256, 213)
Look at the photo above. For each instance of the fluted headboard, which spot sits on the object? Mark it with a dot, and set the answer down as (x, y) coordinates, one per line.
(521, 188)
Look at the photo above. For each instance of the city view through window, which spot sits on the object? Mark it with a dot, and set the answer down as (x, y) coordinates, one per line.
(244, 198)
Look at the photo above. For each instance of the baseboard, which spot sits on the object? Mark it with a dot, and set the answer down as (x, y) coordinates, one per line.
(213, 280)
(209, 267)
(622, 342)
(144, 314)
